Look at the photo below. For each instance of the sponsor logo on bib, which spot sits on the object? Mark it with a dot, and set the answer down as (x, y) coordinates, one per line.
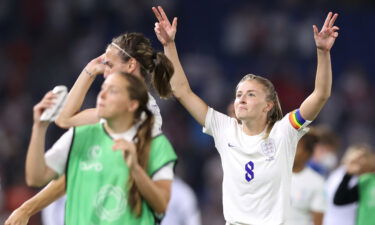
(90, 160)
(110, 203)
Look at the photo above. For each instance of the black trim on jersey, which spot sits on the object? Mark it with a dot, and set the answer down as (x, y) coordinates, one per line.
(157, 219)
(106, 132)
(66, 167)
(67, 161)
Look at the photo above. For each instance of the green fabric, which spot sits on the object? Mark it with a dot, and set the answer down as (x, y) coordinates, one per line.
(97, 177)
(366, 206)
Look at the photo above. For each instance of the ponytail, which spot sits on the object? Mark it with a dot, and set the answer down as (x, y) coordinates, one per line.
(163, 72)
(143, 142)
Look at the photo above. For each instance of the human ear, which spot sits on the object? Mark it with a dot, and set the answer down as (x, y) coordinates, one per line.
(133, 106)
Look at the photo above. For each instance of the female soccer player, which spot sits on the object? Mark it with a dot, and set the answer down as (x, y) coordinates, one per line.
(130, 53)
(104, 185)
(257, 154)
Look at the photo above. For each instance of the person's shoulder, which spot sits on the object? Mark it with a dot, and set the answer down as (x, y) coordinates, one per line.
(314, 176)
(88, 128)
(160, 138)
(367, 177)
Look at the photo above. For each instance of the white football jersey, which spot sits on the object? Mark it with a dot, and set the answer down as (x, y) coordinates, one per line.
(257, 171)
(307, 196)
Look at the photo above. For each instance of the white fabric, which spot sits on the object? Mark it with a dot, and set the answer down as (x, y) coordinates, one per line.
(183, 206)
(342, 215)
(56, 157)
(158, 121)
(307, 196)
(263, 200)
(54, 213)
(164, 173)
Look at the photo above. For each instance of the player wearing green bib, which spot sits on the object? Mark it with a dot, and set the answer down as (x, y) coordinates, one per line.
(116, 173)
(96, 177)
(363, 165)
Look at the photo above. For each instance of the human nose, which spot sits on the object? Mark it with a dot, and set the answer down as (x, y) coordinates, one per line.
(102, 94)
(242, 99)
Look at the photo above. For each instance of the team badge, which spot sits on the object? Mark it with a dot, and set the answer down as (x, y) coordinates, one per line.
(268, 149)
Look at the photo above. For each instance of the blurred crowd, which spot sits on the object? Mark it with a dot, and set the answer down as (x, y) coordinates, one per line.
(47, 43)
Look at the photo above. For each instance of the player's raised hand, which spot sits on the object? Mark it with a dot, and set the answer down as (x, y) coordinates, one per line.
(165, 31)
(325, 38)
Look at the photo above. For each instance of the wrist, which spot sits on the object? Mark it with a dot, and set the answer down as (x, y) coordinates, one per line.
(135, 168)
(322, 51)
(26, 210)
(169, 43)
(89, 72)
(40, 125)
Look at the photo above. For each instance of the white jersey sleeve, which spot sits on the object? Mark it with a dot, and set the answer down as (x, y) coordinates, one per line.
(286, 127)
(164, 173)
(56, 157)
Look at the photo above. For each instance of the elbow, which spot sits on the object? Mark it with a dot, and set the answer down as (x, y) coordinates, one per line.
(323, 97)
(34, 182)
(62, 123)
(162, 208)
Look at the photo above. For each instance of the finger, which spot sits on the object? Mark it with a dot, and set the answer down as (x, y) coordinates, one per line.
(335, 28)
(118, 147)
(333, 19)
(315, 30)
(47, 103)
(157, 14)
(157, 25)
(49, 94)
(174, 23)
(326, 22)
(157, 31)
(164, 16)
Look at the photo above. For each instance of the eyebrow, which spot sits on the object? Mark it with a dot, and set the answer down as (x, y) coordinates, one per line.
(247, 91)
(108, 63)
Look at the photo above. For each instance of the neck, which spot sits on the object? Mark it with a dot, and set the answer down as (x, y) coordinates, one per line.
(119, 125)
(253, 127)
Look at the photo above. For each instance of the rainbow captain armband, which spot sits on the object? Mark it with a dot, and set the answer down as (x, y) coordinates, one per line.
(296, 119)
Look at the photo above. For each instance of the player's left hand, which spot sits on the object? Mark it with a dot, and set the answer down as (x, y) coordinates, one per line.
(325, 38)
(164, 30)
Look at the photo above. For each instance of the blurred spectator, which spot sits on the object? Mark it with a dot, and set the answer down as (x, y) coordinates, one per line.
(325, 158)
(362, 164)
(183, 206)
(343, 215)
(308, 202)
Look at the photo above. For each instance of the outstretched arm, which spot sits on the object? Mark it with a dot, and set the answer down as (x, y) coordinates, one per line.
(70, 115)
(165, 31)
(53, 191)
(324, 41)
